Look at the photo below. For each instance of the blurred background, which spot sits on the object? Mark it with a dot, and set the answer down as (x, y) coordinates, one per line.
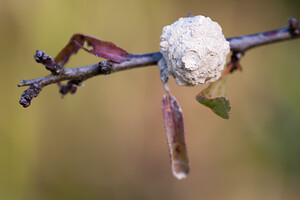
(108, 140)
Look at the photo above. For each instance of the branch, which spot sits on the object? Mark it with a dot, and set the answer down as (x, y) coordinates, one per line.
(243, 43)
(103, 67)
(238, 45)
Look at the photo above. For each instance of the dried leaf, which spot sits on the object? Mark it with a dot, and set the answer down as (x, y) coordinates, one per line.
(173, 120)
(214, 98)
(101, 48)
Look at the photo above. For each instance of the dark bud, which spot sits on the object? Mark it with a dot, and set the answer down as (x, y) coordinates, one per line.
(29, 94)
(235, 62)
(105, 67)
(294, 26)
(47, 61)
(70, 87)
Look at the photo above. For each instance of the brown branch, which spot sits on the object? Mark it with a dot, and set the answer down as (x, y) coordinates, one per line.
(238, 45)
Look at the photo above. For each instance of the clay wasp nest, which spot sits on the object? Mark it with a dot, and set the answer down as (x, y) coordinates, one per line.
(194, 50)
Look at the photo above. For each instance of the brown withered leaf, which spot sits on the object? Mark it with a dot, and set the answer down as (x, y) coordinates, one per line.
(100, 48)
(174, 126)
(214, 98)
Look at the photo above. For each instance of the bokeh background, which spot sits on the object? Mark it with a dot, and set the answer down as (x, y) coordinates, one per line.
(108, 140)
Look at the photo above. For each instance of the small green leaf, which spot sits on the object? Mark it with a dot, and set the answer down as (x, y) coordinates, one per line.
(219, 105)
(214, 98)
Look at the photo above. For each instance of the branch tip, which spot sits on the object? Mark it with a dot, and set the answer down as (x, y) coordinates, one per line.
(23, 82)
(29, 94)
(48, 62)
(294, 26)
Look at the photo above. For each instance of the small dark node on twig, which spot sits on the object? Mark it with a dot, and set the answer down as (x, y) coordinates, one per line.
(70, 87)
(105, 67)
(48, 62)
(234, 63)
(29, 94)
(294, 26)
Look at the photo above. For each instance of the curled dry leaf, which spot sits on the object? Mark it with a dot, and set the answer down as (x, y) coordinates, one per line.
(101, 48)
(173, 120)
(214, 98)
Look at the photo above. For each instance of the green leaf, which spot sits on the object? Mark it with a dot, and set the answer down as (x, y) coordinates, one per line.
(220, 105)
(214, 98)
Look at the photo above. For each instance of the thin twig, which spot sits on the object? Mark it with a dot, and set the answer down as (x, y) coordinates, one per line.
(243, 43)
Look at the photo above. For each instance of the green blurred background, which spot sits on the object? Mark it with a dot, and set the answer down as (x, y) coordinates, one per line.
(108, 140)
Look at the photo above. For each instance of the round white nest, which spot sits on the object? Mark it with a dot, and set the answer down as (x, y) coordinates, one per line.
(194, 50)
